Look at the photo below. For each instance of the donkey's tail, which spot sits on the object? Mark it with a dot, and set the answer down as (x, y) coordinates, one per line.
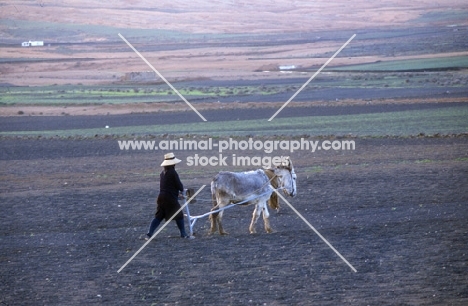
(213, 192)
(273, 201)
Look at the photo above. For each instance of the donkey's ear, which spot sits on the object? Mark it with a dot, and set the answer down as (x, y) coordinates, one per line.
(285, 161)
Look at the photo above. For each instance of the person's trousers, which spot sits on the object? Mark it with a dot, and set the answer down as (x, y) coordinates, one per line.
(155, 223)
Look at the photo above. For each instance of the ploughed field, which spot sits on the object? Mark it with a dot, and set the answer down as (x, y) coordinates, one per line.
(75, 207)
(75, 210)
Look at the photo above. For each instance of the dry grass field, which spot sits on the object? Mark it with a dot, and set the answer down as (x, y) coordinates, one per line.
(221, 40)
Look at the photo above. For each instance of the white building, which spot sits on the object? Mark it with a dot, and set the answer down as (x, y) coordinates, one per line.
(287, 67)
(32, 43)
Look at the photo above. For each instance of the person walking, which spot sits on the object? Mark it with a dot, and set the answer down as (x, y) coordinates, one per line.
(167, 202)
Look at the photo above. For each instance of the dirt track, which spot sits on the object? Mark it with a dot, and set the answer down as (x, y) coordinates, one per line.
(74, 212)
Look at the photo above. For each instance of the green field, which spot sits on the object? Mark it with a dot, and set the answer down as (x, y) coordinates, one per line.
(67, 95)
(63, 95)
(428, 64)
(449, 120)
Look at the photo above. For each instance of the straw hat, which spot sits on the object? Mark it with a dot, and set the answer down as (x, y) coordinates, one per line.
(170, 159)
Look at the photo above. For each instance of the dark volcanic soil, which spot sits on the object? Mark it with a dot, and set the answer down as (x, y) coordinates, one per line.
(394, 208)
(45, 123)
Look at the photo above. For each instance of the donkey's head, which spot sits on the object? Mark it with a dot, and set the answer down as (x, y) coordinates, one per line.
(287, 177)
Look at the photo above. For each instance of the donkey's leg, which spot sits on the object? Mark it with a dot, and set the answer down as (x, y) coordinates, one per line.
(255, 216)
(220, 224)
(214, 222)
(266, 219)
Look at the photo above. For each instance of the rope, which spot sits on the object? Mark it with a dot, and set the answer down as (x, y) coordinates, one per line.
(203, 200)
(253, 192)
(212, 212)
(229, 206)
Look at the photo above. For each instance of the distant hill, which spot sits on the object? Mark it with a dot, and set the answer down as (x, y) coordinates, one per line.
(97, 21)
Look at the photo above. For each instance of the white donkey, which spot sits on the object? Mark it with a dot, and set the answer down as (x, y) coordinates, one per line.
(251, 187)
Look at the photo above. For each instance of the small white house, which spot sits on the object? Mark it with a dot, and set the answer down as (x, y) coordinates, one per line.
(32, 43)
(287, 67)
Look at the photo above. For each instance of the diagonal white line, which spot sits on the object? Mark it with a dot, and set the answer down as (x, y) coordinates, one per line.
(162, 77)
(312, 77)
(162, 227)
(313, 228)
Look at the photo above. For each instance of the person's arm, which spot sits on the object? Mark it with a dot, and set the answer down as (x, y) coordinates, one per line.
(177, 182)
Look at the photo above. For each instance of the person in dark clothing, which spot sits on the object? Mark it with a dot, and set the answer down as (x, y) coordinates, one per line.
(167, 202)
